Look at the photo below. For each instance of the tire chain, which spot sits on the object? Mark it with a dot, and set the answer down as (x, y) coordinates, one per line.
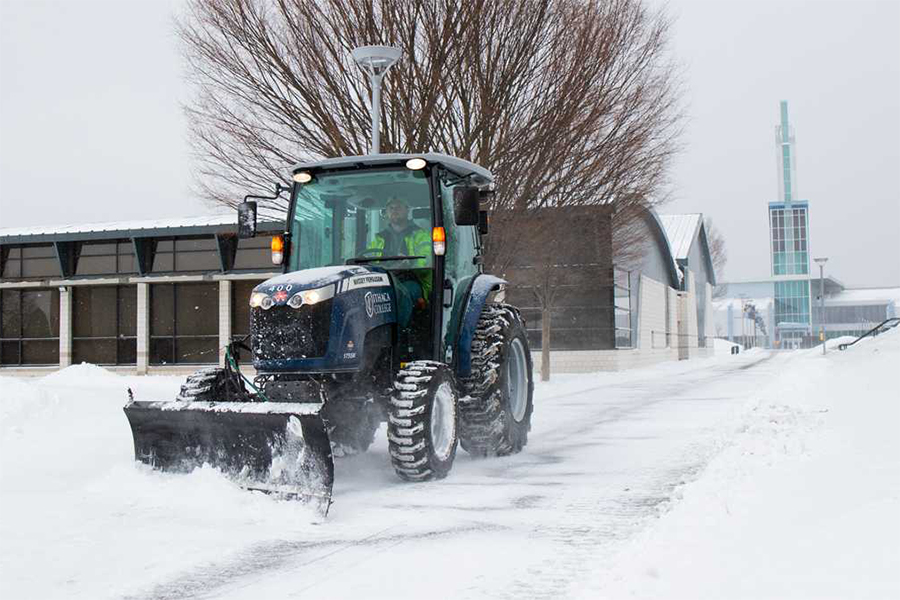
(482, 418)
(406, 421)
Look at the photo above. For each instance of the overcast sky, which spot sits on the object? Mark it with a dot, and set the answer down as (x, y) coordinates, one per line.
(91, 126)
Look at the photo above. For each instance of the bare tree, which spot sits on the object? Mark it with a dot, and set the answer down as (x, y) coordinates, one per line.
(567, 102)
(718, 254)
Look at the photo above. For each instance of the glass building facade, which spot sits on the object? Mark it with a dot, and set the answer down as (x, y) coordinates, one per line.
(789, 242)
(792, 304)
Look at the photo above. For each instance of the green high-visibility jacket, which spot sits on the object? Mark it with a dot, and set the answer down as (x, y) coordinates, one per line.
(415, 242)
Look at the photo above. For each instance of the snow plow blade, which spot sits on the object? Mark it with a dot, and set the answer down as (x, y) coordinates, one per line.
(281, 448)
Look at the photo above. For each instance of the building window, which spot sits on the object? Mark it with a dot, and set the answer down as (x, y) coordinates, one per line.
(792, 303)
(240, 313)
(789, 242)
(186, 255)
(254, 254)
(108, 258)
(622, 299)
(31, 262)
(29, 327)
(859, 317)
(104, 324)
(184, 323)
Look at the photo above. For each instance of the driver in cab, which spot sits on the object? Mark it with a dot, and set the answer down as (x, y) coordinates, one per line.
(402, 237)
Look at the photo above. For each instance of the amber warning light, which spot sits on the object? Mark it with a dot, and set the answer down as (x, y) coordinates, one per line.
(277, 250)
(439, 241)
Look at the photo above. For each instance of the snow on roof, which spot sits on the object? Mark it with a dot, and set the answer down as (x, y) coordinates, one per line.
(882, 295)
(681, 231)
(110, 226)
(452, 163)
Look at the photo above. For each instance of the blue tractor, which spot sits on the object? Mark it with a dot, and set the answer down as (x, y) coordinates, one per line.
(383, 313)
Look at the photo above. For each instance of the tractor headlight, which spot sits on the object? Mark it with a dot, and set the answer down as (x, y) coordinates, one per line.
(256, 299)
(311, 296)
(296, 301)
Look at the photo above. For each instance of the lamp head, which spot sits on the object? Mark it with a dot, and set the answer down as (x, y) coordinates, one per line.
(376, 60)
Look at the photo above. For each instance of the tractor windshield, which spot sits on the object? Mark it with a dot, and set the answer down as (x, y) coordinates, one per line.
(381, 217)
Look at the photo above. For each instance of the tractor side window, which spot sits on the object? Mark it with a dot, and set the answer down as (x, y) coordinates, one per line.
(459, 263)
(312, 233)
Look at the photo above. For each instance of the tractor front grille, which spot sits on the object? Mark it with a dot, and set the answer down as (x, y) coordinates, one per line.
(283, 332)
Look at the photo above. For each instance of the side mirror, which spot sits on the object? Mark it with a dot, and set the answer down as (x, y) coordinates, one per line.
(466, 205)
(246, 219)
(483, 222)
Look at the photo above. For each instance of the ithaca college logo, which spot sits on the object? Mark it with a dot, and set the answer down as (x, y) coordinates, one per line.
(377, 303)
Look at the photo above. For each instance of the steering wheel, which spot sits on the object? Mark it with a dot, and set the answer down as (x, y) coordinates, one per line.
(371, 251)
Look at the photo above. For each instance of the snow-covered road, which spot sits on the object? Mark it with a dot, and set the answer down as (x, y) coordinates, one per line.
(608, 455)
(600, 460)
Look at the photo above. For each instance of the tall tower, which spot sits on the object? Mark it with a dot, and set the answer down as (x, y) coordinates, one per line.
(786, 163)
(789, 237)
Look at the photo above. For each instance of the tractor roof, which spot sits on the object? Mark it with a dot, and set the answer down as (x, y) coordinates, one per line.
(455, 165)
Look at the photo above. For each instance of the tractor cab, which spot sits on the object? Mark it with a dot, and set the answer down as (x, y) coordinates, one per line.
(394, 214)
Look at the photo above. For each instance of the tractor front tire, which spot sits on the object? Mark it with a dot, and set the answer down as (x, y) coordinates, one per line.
(422, 422)
(495, 414)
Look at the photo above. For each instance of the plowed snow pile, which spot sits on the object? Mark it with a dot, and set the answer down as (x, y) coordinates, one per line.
(803, 502)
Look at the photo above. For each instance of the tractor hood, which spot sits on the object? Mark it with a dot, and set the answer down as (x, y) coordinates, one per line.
(348, 277)
(321, 320)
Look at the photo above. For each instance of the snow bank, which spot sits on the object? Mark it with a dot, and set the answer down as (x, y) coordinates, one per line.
(724, 346)
(804, 502)
(73, 495)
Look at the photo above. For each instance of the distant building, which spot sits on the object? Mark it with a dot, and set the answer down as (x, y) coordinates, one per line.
(609, 316)
(690, 249)
(145, 295)
(789, 244)
(848, 311)
(782, 310)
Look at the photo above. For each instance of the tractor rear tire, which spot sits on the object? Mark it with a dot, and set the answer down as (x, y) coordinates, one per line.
(422, 421)
(495, 416)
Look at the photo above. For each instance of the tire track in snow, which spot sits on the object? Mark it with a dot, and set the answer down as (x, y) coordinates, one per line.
(209, 580)
(594, 525)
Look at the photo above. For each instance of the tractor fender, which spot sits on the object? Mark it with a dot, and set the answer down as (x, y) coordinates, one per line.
(481, 292)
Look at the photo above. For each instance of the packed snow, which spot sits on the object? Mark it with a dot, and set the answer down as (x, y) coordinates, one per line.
(760, 475)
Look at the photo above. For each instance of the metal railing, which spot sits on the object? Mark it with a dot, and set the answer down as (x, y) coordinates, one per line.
(878, 329)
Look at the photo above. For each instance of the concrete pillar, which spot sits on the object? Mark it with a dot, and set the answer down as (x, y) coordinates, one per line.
(65, 326)
(224, 318)
(683, 325)
(143, 328)
(730, 322)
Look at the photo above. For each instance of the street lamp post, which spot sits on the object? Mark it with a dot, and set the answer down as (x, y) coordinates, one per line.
(821, 262)
(375, 61)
